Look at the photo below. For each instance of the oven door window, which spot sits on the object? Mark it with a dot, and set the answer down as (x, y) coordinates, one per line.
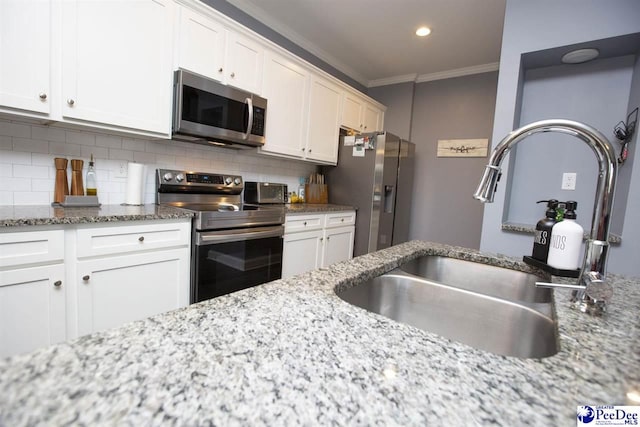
(222, 268)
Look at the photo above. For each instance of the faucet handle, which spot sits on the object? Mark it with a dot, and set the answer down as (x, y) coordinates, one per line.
(559, 286)
(597, 288)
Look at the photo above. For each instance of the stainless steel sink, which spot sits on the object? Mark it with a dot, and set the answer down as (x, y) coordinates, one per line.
(500, 326)
(486, 279)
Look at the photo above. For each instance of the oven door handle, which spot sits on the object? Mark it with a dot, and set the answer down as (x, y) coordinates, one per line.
(240, 235)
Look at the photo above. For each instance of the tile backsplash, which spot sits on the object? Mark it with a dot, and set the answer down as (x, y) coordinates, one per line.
(27, 169)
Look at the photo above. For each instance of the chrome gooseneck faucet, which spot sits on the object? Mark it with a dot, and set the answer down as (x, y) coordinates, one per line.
(592, 291)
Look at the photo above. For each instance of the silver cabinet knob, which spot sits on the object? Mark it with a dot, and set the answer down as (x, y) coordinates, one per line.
(321, 239)
(304, 223)
(70, 101)
(309, 149)
(86, 278)
(57, 283)
(304, 149)
(342, 220)
(141, 239)
(220, 70)
(233, 75)
(43, 96)
(327, 238)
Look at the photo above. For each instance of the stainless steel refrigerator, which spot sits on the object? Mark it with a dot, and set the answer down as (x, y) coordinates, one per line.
(379, 183)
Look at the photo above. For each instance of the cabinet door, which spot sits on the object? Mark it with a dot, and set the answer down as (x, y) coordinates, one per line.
(285, 87)
(371, 118)
(116, 290)
(116, 63)
(201, 45)
(352, 111)
(25, 55)
(325, 101)
(244, 63)
(301, 252)
(338, 245)
(32, 308)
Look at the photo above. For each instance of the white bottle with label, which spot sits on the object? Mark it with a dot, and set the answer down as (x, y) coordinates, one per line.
(566, 241)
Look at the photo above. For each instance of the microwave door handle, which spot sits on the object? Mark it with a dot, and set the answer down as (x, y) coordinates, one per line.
(249, 103)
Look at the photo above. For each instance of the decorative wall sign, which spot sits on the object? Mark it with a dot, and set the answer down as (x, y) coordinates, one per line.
(463, 147)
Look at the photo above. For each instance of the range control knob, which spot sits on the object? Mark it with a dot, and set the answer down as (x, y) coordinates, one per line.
(167, 176)
(228, 180)
(237, 181)
(179, 177)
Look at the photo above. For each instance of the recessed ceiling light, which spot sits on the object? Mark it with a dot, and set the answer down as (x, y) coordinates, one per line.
(423, 31)
(579, 56)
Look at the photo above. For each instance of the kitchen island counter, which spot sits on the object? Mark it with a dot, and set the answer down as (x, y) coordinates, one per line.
(292, 352)
(27, 215)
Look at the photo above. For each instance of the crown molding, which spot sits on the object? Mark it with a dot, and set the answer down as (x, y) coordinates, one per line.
(261, 15)
(459, 72)
(393, 80)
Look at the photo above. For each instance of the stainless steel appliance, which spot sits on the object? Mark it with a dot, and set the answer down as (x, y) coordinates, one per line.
(379, 182)
(265, 192)
(207, 112)
(234, 245)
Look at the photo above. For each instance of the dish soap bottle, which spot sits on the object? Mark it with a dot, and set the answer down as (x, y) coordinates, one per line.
(566, 240)
(544, 227)
(92, 189)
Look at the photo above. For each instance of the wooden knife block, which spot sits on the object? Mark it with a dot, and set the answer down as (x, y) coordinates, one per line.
(316, 193)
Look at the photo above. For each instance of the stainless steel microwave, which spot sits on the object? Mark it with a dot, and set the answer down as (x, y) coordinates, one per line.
(265, 192)
(207, 112)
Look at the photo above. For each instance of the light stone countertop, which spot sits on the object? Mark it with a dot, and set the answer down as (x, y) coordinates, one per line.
(291, 352)
(309, 208)
(26, 215)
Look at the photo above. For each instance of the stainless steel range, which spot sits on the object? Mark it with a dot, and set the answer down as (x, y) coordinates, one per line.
(234, 245)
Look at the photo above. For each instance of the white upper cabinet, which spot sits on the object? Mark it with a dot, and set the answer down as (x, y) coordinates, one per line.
(361, 115)
(285, 87)
(325, 103)
(201, 45)
(116, 63)
(207, 47)
(244, 63)
(25, 61)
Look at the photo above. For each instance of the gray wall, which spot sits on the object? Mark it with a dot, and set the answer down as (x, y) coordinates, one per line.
(399, 101)
(565, 23)
(248, 21)
(442, 207)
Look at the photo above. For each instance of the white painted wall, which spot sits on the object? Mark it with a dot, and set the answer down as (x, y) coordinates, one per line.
(540, 25)
(27, 171)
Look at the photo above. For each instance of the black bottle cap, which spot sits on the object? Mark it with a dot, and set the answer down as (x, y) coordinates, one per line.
(552, 204)
(571, 206)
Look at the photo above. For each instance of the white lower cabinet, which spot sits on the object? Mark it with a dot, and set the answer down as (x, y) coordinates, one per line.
(32, 308)
(116, 290)
(318, 240)
(60, 282)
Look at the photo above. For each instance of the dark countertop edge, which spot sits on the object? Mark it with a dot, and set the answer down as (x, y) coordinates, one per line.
(614, 239)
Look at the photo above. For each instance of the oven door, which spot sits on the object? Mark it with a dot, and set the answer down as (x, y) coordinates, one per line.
(226, 261)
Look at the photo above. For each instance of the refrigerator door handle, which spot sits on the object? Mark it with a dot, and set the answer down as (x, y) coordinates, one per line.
(389, 198)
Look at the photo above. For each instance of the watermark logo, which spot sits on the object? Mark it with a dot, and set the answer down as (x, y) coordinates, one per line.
(608, 415)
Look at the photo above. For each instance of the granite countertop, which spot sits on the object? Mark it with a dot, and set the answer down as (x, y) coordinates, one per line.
(291, 352)
(13, 216)
(294, 208)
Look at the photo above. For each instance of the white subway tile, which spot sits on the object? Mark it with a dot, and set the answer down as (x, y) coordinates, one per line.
(32, 198)
(6, 198)
(31, 145)
(81, 138)
(108, 141)
(43, 184)
(29, 171)
(6, 143)
(146, 158)
(165, 161)
(6, 170)
(16, 184)
(43, 159)
(48, 133)
(62, 149)
(98, 152)
(15, 157)
(115, 154)
(133, 144)
(18, 130)
(158, 147)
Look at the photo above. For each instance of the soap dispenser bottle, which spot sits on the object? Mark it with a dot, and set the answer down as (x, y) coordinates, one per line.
(544, 227)
(566, 241)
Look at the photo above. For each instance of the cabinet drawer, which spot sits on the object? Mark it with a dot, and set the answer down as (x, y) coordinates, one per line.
(31, 247)
(295, 223)
(340, 219)
(131, 238)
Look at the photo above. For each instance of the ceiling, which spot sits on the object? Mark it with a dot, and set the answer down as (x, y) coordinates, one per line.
(374, 41)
